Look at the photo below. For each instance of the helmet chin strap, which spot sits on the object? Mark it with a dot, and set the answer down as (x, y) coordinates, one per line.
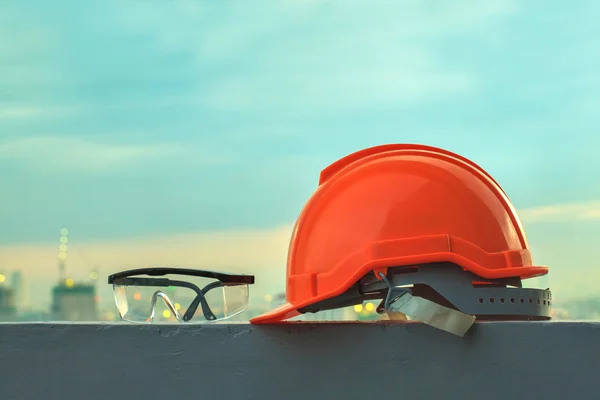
(393, 316)
(400, 303)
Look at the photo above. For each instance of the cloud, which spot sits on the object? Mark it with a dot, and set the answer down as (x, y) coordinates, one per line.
(305, 57)
(569, 212)
(351, 84)
(15, 112)
(68, 153)
(366, 58)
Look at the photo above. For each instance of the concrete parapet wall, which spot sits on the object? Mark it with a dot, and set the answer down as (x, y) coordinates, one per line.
(339, 361)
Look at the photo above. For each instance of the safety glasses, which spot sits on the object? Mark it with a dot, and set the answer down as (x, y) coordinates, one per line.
(183, 295)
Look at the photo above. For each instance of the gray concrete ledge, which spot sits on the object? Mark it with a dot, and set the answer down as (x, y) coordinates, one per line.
(340, 361)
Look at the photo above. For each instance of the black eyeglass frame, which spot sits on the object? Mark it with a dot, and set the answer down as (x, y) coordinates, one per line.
(129, 278)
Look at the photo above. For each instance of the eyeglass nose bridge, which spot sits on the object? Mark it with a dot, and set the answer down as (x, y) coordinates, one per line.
(167, 301)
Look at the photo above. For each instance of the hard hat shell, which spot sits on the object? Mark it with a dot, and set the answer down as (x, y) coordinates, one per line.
(400, 205)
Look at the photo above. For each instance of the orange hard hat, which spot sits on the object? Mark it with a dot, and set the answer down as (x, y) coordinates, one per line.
(400, 205)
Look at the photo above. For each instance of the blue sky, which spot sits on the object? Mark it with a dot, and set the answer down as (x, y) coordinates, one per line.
(153, 118)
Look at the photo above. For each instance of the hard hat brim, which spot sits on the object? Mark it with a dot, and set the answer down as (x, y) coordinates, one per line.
(278, 314)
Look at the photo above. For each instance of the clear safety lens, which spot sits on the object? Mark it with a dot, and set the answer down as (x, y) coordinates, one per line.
(182, 298)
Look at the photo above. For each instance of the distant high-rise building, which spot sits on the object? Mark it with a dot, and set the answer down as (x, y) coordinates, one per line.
(20, 290)
(71, 301)
(8, 310)
(74, 302)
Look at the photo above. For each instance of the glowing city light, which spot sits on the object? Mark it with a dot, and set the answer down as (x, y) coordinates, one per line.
(137, 296)
(177, 306)
(358, 308)
(166, 314)
(2, 278)
(369, 307)
(70, 282)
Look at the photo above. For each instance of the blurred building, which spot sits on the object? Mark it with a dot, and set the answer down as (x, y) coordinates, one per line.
(8, 309)
(74, 302)
(20, 290)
